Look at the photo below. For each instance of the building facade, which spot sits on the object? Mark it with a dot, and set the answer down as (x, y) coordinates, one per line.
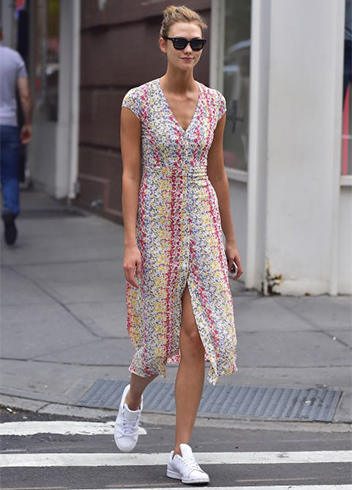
(287, 142)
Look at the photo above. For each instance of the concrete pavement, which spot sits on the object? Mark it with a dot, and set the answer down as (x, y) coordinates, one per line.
(64, 321)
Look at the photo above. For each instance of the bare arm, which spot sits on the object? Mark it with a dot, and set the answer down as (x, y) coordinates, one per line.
(25, 99)
(218, 178)
(131, 177)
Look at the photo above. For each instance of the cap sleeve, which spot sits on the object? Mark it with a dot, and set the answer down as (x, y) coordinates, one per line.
(133, 101)
(221, 105)
(21, 68)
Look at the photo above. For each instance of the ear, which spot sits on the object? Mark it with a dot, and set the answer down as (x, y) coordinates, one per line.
(162, 44)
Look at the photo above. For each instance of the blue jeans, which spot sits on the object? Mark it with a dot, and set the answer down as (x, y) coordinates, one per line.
(9, 150)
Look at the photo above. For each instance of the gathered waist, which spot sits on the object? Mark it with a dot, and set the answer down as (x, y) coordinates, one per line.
(173, 172)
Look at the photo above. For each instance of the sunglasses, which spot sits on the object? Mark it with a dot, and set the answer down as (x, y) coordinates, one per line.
(181, 42)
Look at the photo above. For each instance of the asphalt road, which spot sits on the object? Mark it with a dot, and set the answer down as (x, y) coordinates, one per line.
(74, 453)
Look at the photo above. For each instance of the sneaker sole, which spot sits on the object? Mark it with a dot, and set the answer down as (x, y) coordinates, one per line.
(177, 476)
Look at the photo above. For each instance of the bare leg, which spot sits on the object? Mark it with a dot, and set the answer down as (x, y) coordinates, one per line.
(190, 375)
(138, 385)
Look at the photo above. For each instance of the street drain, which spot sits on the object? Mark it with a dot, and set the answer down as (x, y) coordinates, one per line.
(246, 401)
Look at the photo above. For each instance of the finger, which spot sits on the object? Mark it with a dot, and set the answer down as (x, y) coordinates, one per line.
(238, 275)
(138, 269)
(133, 282)
(24, 138)
(229, 264)
(129, 274)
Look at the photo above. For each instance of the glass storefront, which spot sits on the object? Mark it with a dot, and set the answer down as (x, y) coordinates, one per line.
(346, 163)
(236, 77)
(47, 49)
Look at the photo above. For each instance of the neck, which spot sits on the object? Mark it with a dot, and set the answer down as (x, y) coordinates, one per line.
(177, 81)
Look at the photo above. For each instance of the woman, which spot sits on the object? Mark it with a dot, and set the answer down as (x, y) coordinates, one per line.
(175, 206)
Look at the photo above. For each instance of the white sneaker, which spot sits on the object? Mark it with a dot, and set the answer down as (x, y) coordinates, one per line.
(185, 468)
(126, 425)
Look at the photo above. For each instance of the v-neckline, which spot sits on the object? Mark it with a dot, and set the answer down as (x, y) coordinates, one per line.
(173, 115)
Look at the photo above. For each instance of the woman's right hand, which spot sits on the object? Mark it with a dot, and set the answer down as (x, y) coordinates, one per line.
(132, 265)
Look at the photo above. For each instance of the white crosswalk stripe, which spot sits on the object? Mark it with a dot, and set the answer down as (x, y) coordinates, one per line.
(152, 459)
(280, 487)
(21, 460)
(64, 427)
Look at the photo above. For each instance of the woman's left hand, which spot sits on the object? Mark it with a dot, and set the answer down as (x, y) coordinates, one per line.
(233, 255)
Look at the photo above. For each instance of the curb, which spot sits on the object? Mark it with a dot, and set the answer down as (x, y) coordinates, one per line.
(241, 423)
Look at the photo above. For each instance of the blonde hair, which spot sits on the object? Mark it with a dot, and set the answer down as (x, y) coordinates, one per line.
(173, 14)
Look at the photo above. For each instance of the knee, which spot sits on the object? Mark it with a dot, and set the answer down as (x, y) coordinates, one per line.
(191, 343)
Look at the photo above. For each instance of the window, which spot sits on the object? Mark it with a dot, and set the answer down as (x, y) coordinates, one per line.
(235, 81)
(346, 163)
(47, 58)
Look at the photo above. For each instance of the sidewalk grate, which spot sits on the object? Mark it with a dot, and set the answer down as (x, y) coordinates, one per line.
(267, 403)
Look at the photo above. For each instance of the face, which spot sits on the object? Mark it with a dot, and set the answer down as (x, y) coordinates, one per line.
(184, 59)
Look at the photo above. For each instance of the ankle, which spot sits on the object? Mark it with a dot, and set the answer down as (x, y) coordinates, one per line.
(133, 403)
(177, 449)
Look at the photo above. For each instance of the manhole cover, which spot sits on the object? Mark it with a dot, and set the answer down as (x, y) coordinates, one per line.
(269, 403)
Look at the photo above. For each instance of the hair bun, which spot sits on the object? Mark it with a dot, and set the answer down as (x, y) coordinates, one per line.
(173, 14)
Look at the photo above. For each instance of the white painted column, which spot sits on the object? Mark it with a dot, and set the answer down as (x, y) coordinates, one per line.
(75, 79)
(217, 43)
(304, 132)
(258, 129)
(67, 128)
(337, 252)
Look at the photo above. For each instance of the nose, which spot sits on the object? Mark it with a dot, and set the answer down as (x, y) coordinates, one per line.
(188, 49)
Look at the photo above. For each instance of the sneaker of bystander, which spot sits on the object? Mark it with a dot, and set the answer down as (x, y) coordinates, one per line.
(10, 230)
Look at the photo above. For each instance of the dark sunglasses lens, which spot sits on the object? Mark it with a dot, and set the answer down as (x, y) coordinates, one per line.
(179, 42)
(197, 44)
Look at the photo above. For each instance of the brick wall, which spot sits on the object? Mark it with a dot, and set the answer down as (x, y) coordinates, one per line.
(119, 50)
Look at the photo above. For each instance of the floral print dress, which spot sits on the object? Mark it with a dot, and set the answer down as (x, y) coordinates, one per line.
(179, 237)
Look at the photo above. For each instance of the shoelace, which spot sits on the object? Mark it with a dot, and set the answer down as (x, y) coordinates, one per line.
(191, 464)
(129, 426)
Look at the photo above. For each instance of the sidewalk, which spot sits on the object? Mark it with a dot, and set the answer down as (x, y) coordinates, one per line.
(63, 319)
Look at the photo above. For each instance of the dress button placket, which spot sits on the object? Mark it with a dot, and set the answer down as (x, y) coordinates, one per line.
(186, 210)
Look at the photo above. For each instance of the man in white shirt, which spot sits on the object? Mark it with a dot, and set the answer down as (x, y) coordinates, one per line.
(13, 75)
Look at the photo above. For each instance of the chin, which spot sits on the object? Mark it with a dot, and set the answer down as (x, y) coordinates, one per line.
(186, 66)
